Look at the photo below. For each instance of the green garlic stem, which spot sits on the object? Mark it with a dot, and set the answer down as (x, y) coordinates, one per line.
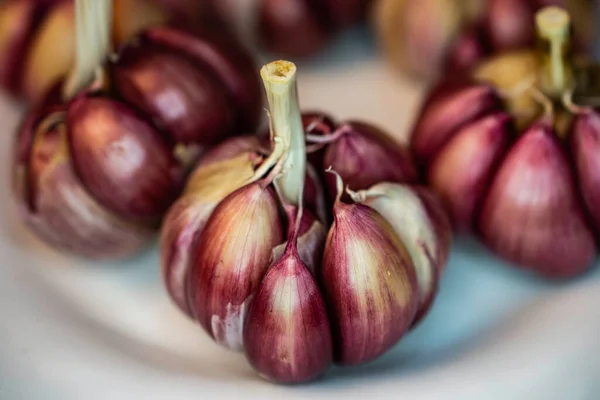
(553, 25)
(92, 43)
(279, 78)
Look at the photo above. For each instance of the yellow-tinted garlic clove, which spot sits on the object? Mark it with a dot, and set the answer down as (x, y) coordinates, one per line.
(420, 222)
(416, 35)
(513, 73)
(132, 16)
(52, 50)
(230, 259)
(370, 284)
(185, 220)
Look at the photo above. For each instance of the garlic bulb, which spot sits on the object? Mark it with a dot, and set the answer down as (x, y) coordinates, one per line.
(287, 336)
(425, 38)
(500, 164)
(264, 275)
(101, 159)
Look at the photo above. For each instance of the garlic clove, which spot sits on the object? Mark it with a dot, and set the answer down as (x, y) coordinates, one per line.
(287, 337)
(230, 260)
(369, 282)
(416, 35)
(509, 24)
(364, 155)
(461, 172)
(468, 50)
(190, 103)
(183, 224)
(46, 61)
(532, 214)
(231, 147)
(58, 209)
(446, 114)
(121, 159)
(227, 61)
(585, 148)
(419, 221)
(311, 241)
(17, 23)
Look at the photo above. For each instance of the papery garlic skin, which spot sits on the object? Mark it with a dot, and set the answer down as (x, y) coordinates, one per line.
(532, 214)
(210, 183)
(369, 282)
(287, 337)
(230, 260)
(420, 223)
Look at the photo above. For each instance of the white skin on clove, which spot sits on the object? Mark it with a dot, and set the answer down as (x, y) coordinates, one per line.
(412, 225)
(228, 330)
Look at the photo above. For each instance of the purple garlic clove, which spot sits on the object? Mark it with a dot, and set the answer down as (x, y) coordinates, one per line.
(464, 168)
(188, 100)
(55, 205)
(370, 284)
(230, 259)
(419, 221)
(287, 337)
(446, 114)
(585, 147)
(208, 185)
(364, 155)
(532, 214)
(121, 159)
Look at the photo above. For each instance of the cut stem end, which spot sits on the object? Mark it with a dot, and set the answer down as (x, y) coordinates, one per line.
(553, 22)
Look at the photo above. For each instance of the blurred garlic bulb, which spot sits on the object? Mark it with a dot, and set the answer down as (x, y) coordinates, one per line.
(416, 34)
(424, 37)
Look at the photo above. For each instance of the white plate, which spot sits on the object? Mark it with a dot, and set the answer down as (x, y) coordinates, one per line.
(73, 329)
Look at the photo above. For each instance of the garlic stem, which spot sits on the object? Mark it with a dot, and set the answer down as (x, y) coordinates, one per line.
(279, 78)
(553, 26)
(567, 100)
(292, 241)
(93, 27)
